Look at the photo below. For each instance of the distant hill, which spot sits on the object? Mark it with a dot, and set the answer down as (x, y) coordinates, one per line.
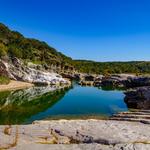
(14, 44)
(136, 67)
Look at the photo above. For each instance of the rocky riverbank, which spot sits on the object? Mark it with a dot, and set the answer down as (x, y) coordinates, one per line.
(114, 80)
(16, 69)
(137, 88)
(79, 134)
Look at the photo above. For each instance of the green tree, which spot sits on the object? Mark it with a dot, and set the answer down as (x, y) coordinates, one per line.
(107, 73)
(14, 51)
(3, 50)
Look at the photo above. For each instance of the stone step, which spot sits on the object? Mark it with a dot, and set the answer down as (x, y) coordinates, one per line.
(135, 113)
(146, 111)
(139, 110)
(145, 121)
(132, 116)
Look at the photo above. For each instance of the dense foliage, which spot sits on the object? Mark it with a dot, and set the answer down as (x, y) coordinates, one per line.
(12, 43)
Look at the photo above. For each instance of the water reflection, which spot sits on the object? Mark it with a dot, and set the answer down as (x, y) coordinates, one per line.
(17, 106)
(37, 103)
(111, 88)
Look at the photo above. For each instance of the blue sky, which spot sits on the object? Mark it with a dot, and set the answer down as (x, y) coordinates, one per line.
(101, 30)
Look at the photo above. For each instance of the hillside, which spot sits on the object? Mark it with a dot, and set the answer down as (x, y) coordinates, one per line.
(14, 44)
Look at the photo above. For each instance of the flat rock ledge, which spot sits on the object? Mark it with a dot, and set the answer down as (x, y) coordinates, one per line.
(76, 135)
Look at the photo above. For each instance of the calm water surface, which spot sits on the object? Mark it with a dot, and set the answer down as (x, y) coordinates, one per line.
(36, 103)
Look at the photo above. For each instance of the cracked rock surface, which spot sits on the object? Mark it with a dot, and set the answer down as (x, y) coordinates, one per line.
(77, 134)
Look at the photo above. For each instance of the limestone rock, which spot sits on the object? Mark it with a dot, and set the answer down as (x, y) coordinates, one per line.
(79, 134)
(15, 69)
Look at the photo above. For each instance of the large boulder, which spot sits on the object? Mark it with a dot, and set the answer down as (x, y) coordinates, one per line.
(117, 80)
(91, 79)
(138, 98)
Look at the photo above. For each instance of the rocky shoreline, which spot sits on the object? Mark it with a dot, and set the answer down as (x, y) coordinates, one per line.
(114, 80)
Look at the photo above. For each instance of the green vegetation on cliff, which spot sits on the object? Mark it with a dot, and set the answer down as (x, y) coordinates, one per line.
(13, 43)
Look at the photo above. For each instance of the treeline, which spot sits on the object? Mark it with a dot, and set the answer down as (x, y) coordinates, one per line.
(137, 67)
(14, 44)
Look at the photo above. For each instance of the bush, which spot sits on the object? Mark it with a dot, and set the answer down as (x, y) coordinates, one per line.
(4, 80)
(14, 51)
(3, 50)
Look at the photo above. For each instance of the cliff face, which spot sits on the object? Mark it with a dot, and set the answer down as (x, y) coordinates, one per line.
(15, 69)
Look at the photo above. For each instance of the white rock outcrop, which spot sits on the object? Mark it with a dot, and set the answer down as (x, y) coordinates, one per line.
(18, 71)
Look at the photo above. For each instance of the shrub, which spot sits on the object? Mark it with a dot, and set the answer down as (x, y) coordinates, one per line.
(4, 80)
(3, 50)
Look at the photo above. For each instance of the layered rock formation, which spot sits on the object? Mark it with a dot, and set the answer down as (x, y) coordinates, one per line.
(116, 80)
(17, 70)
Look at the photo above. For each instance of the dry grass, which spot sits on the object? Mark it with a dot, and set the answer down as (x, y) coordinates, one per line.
(53, 140)
(7, 130)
